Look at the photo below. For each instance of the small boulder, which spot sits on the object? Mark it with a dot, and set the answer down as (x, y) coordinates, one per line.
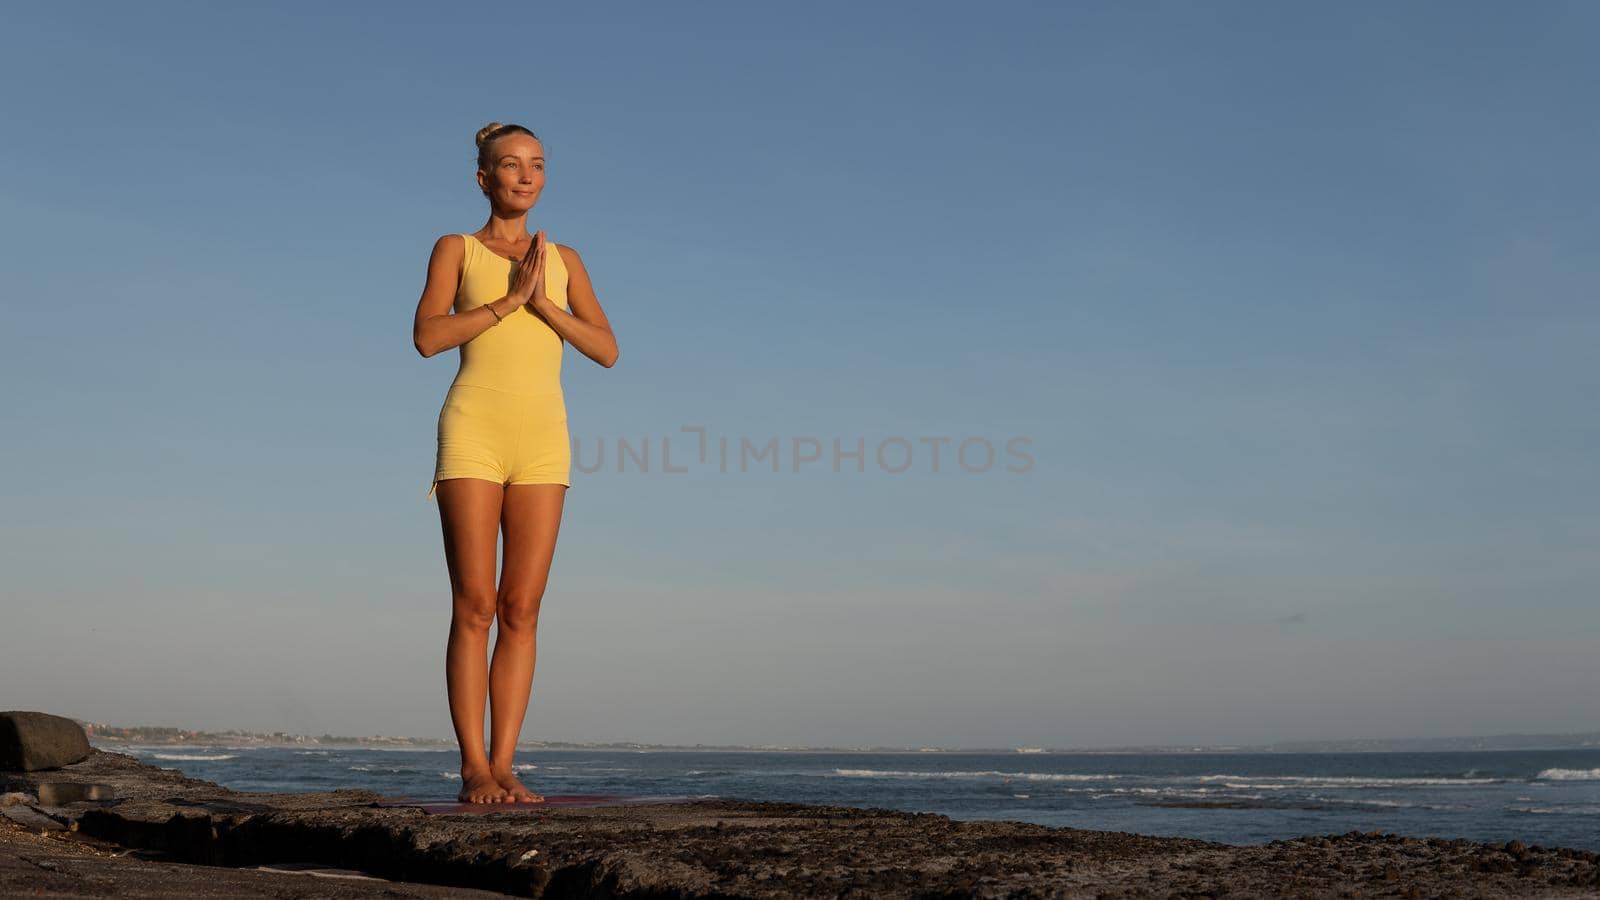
(30, 741)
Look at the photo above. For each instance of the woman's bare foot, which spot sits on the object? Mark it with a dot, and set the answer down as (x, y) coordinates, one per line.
(516, 791)
(481, 786)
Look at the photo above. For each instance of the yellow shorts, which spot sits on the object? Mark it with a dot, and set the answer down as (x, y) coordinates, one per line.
(503, 437)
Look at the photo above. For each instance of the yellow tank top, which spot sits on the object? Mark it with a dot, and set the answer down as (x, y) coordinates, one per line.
(521, 354)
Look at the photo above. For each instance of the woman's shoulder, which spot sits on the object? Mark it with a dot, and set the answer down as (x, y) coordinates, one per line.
(449, 255)
(451, 247)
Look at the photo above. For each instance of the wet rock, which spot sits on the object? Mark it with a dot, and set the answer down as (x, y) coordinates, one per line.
(31, 741)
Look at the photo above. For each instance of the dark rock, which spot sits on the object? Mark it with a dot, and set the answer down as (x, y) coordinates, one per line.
(30, 741)
(25, 815)
(67, 866)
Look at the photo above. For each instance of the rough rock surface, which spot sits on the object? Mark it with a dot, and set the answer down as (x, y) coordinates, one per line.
(69, 865)
(728, 849)
(31, 741)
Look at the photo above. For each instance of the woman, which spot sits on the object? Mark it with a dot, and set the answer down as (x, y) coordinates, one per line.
(503, 452)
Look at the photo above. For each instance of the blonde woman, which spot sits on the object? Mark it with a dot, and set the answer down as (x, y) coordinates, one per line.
(510, 300)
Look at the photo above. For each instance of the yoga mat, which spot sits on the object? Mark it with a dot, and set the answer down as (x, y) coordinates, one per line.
(551, 801)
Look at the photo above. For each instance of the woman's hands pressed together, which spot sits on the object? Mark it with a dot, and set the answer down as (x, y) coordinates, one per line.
(527, 284)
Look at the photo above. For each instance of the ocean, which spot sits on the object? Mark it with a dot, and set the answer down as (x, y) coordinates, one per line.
(1547, 797)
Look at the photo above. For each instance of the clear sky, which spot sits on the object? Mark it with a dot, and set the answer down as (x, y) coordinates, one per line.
(1289, 308)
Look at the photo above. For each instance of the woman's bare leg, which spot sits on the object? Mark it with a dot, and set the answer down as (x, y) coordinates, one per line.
(531, 518)
(469, 514)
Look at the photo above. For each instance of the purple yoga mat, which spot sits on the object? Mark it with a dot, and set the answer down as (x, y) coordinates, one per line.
(551, 801)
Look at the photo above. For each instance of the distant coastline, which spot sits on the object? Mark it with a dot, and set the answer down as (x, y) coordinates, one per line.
(158, 735)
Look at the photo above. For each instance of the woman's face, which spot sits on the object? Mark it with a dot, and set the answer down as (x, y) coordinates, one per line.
(516, 172)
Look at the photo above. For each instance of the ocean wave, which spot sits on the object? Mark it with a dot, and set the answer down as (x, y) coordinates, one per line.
(1281, 782)
(1232, 781)
(1568, 775)
(1374, 801)
(1200, 793)
(194, 755)
(1026, 776)
(1589, 809)
(1163, 795)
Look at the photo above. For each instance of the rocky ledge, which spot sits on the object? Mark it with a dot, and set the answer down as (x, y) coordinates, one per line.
(731, 849)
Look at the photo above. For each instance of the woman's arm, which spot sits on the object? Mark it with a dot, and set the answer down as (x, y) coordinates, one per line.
(437, 329)
(586, 327)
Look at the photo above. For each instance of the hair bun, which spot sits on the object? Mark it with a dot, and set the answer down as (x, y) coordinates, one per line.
(487, 130)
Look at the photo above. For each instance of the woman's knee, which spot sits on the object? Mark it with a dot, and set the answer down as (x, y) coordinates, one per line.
(474, 609)
(519, 613)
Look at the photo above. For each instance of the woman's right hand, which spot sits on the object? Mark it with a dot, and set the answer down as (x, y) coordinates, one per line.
(530, 271)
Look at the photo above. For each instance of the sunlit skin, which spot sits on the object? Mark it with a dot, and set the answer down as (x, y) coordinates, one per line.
(472, 511)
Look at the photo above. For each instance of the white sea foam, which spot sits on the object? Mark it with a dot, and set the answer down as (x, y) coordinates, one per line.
(1235, 782)
(1371, 801)
(1280, 782)
(1026, 776)
(1198, 794)
(1231, 791)
(194, 755)
(1589, 809)
(519, 767)
(1569, 775)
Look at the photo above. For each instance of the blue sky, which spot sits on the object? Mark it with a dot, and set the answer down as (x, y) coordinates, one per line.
(1292, 307)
